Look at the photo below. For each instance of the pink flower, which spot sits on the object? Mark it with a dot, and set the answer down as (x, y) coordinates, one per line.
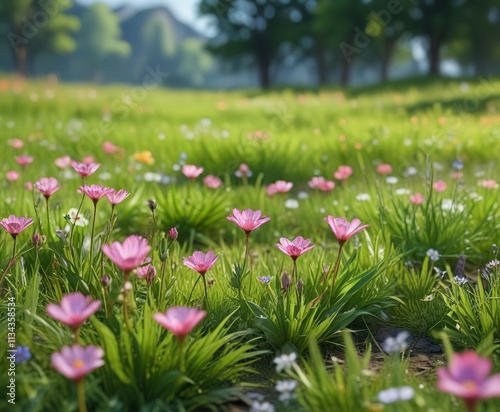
(24, 161)
(75, 362)
(294, 248)
(115, 197)
(439, 186)
(319, 182)
(128, 255)
(109, 148)
(74, 310)
(212, 182)
(63, 162)
(243, 170)
(147, 272)
(489, 184)
(248, 219)
(342, 229)
(172, 233)
(180, 320)
(279, 187)
(192, 171)
(384, 168)
(16, 143)
(83, 169)
(12, 176)
(457, 175)
(95, 192)
(47, 186)
(28, 186)
(343, 173)
(200, 262)
(467, 378)
(416, 198)
(15, 225)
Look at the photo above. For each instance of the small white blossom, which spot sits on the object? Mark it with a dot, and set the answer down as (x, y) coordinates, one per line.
(261, 407)
(433, 255)
(402, 192)
(285, 362)
(291, 204)
(286, 386)
(460, 280)
(391, 180)
(362, 197)
(391, 395)
(77, 221)
(397, 344)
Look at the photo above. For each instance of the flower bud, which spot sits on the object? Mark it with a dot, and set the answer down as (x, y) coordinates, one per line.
(285, 282)
(172, 233)
(105, 280)
(300, 286)
(152, 205)
(163, 249)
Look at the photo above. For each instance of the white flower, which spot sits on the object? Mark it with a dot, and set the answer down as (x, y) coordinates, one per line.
(391, 395)
(285, 362)
(397, 344)
(391, 180)
(292, 204)
(80, 220)
(363, 197)
(402, 192)
(450, 206)
(261, 407)
(411, 171)
(303, 195)
(286, 386)
(460, 280)
(433, 255)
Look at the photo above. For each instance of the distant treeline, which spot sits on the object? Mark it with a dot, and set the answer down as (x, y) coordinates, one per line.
(284, 41)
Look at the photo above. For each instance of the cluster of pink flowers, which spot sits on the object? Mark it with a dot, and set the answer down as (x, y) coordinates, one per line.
(279, 186)
(343, 173)
(319, 182)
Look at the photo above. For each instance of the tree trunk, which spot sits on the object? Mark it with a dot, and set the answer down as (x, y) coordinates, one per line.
(386, 58)
(264, 78)
(346, 71)
(321, 66)
(20, 55)
(433, 54)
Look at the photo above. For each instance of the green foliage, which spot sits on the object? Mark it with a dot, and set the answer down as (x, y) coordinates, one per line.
(473, 311)
(422, 308)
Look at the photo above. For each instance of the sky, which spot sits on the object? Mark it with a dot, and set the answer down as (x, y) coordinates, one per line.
(184, 10)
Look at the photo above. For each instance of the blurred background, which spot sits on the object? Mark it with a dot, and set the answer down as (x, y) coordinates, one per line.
(219, 44)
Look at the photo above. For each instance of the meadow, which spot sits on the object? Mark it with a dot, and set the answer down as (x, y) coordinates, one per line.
(98, 317)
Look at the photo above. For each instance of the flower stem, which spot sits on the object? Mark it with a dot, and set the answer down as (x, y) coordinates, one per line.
(125, 308)
(11, 263)
(162, 281)
(206, 294)
(191, 293)
(74, 223)
(47, 231)
(91, 251)
(81, 396)
(336, 269)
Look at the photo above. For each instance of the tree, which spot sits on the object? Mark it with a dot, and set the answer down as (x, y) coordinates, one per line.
(252, 29)
(100, 38)
(341, 23)
(35, 26)
(301, 34)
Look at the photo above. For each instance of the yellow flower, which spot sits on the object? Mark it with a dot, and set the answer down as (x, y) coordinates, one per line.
(145, 157)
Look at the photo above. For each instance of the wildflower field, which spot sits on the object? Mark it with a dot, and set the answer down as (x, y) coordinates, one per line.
(168, 250)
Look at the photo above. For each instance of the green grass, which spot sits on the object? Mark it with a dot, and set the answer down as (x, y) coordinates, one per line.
(384, 271)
